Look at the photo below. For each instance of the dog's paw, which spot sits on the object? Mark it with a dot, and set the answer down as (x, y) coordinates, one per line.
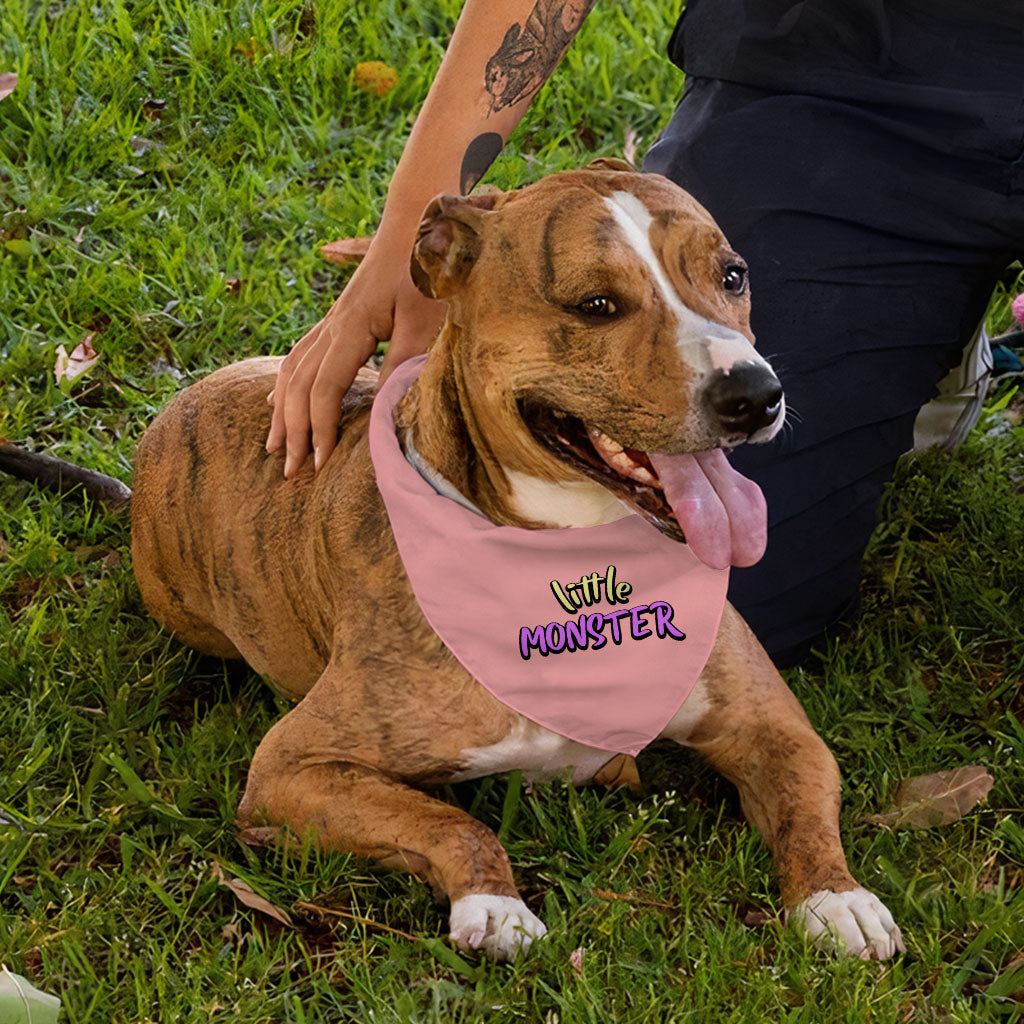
(855, 922)
(501, 926)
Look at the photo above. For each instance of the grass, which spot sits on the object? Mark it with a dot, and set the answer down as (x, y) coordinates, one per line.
(167, 169)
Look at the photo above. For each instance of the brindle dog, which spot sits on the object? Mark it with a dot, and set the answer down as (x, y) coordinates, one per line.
(302, 577)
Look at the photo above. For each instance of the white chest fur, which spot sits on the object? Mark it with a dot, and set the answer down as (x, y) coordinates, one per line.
(541, 754)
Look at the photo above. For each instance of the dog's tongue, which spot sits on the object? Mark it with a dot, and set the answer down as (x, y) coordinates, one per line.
(723, 515)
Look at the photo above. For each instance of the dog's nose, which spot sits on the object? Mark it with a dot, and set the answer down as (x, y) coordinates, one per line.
(744, 399)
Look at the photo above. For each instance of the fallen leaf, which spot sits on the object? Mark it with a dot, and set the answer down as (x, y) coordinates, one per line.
(139, 145)
(112, 560)
(629, 150)
(69, 367)
(22, 1003)
(755, 917)
(936, 799)
(152, 108)
(8, 81)
(259, 835)
(249, 50)
(576, 961)
(244, 894)
(86, 553)
(346, 250)
(232, 286)
(375, 76)
(4, 547)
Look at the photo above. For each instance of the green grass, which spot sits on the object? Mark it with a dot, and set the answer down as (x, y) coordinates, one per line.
(154, 151)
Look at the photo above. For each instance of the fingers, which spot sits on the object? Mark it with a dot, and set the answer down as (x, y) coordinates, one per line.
(315, 375)
(334, 377)
(276, 435)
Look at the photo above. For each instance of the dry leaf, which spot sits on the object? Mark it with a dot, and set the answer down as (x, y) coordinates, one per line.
(375, 76)
(244, 894)
(629, 150)
(232, 286)
(576, 961)
(936, 799)
(4, 547)
(68, 367)
(112, 560)
(249, 50)
(259, 835)
(8, 80)
(755, 917)
(346, 250)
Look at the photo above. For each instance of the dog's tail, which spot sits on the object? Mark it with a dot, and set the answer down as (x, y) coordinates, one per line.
(62, 477)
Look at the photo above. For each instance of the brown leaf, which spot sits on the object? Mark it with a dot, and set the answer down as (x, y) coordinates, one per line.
(374, 76)
(4, 547)
(86, 553)
(244, 894)
(629, 150)
(346, 250)
(68, 367)
(259, 835)
(232, 286)
(576, 961)
(936, 799)
(112, 560)
(8, 80)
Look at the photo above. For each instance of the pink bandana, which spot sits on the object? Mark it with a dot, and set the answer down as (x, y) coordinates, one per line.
(598, 633)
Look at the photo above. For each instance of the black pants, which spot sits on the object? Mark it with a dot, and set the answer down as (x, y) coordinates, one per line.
(874, 237)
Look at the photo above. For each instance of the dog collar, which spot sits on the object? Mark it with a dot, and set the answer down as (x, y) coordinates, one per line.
(598, 633)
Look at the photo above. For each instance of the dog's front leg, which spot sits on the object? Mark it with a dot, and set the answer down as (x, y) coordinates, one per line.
(298, 781)
(747, 723)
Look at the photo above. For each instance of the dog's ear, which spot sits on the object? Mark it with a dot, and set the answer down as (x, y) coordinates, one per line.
(449, 242)
(610, 163)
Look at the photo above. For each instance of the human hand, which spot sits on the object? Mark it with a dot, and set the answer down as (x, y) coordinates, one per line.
(380, 303)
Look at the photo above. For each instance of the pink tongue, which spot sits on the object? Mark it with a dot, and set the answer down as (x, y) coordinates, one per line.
(722, 514)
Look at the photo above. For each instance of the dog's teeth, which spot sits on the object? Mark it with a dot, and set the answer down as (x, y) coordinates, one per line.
(603, 443)
(615, 455)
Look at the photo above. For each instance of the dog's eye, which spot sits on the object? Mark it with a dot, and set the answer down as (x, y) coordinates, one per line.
(734, 278)
(597, 305)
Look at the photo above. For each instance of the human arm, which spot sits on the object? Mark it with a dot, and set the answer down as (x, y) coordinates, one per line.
(499, 56)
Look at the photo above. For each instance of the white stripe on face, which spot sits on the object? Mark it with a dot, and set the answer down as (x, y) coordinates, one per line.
(703, 344)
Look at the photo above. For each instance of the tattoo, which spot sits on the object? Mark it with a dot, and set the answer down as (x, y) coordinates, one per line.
(480, 154)
(529, 52)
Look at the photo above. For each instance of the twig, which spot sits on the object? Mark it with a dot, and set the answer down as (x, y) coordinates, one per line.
(62, 477)
(607, 894)
(348, 915)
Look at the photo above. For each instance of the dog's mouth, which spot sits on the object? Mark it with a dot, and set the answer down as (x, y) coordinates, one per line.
(697, 498)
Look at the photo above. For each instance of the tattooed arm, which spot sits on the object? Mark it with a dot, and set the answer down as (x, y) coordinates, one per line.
(500, 54)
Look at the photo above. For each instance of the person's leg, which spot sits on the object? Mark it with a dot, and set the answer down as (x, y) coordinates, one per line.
(872, 256)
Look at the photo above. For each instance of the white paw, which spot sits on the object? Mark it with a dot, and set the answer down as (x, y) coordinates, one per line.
(501, 926)
(855, 922)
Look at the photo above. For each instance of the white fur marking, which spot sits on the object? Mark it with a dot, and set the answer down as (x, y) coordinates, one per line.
(856, 923)
(704, 344)
(538, 752)
(689, 715)
(501, 926)
(565, 503)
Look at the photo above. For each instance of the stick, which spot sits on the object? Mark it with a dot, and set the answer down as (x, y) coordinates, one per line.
(62, 477)
(331, 912)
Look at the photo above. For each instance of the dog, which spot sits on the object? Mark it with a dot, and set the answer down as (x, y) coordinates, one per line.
(598, 328)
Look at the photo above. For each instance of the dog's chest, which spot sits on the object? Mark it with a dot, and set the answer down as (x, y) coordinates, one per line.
(538, 752)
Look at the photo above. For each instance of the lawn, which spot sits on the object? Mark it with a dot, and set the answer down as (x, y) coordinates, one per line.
(168, 169)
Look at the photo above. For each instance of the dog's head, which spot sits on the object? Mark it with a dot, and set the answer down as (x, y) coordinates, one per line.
(600, 324)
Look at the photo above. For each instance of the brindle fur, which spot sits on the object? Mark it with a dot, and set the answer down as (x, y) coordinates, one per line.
(302, 577)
